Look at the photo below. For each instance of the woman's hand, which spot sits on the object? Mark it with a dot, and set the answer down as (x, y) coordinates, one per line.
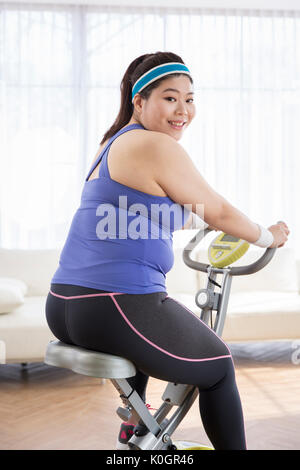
(280, 233)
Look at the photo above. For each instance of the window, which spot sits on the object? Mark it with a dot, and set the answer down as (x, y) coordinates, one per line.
(60, 73)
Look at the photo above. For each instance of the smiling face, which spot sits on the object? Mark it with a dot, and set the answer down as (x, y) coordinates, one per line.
(169, 109)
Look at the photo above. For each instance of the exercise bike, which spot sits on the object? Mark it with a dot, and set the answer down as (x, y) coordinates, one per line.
(154, 431)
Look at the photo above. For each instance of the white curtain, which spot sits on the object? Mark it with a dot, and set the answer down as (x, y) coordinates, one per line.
(60, 72)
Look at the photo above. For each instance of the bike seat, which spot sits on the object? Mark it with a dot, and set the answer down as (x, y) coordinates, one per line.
(88, 362)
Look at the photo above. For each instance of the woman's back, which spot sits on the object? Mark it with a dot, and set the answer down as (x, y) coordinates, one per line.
(120, 238)
(129, 161)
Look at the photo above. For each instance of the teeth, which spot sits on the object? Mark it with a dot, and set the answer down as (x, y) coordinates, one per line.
(176, 124)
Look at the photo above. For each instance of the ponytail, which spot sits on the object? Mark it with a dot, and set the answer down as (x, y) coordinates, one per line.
(126, 106)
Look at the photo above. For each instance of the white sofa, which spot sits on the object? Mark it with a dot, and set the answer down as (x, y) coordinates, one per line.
(262, 306)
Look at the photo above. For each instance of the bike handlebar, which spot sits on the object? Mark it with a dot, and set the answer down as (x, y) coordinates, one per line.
(235, 271)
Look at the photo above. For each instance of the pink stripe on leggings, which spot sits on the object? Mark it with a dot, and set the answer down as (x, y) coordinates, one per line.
(157, 347)
(86, 295)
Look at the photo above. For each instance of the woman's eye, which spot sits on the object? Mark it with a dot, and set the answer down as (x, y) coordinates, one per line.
(190, 100)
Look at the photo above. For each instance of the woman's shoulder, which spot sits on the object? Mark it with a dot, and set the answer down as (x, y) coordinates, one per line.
(158, 137)
(150, 141)
(158, 150)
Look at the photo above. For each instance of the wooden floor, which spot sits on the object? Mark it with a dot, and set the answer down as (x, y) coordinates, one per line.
(44, 407)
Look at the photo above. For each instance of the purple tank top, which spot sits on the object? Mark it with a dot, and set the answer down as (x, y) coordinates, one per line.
(120, 239)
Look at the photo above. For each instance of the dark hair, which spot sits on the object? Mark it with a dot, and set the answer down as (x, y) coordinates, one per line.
(135, 70)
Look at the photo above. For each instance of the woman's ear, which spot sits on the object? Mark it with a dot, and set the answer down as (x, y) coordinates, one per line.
(138, 102)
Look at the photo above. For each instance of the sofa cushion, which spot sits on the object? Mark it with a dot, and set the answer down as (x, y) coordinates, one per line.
(16, 283)
(25, 332)
(262, 315)
(12, 293)
(279, 275)
(34, 267)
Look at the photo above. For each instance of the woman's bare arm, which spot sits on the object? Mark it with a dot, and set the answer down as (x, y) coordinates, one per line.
(175, 172)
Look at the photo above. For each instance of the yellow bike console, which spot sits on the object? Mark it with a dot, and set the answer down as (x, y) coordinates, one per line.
(226, 249)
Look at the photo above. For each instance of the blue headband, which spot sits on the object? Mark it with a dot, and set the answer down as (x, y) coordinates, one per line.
(156, 73)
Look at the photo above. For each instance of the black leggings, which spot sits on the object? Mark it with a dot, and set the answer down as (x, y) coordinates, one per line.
(163, 339)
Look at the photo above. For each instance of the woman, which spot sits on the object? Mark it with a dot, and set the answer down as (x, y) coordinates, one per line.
(108, 293)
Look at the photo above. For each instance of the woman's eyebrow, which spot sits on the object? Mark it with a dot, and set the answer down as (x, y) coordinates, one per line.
(177, 91)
